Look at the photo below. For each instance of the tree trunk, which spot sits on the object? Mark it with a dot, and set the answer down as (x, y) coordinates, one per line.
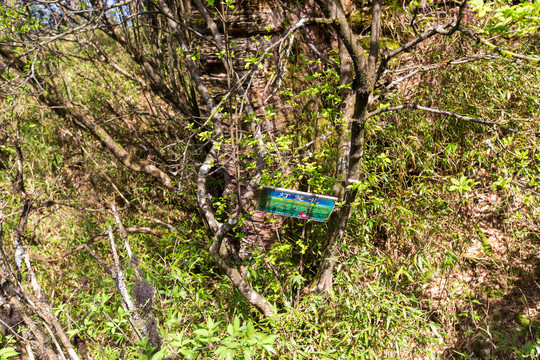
(222, 258)
(339, 219)
(355, 109)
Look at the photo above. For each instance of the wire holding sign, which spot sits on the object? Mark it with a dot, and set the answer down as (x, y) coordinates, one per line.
(296, 204)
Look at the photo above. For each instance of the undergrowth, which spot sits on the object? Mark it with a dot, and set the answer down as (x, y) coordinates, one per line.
(440, 259)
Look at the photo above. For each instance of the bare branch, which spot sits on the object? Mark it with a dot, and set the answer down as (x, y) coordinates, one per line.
(286, 7)
(393, 84)
(47, 314)
(135, 318)
(161, 222)
(493, 47)
(220, 254)
(319, 53)
(124, 235)
(192, 68)
(25, 307)
(446, 29)
(66, 109)
(202, 196)
(422, 68)
(374, 39)
(440, 112)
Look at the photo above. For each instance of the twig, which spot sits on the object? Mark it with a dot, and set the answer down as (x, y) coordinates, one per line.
(15, 298)
(496, 48)
(157, 221)
(437, 111)
(446, 30)
(119, 329)
(11, 330)
(122, 230)
(43, 309)
(123, 234)
(58, 348)
(98, 258)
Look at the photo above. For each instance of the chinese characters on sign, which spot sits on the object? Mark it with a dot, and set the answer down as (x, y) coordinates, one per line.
(296, 204)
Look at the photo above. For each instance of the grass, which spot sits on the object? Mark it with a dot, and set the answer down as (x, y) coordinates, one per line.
(440, 260)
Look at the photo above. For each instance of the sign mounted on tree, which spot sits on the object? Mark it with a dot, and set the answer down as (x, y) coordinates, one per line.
(296, 204)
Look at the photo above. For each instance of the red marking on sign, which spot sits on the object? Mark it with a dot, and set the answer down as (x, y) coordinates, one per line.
(304, 215)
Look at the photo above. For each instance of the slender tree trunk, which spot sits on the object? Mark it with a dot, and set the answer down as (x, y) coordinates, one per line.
(355, 109)
(340, 218)
(338, 223)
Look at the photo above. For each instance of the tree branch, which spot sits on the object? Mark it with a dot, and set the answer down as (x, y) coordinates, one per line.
(135, 318)
(333, 9)
(498, 49)
(66, 109)
(437, 111)
(446, 29)
(422, 68)
(374, 39)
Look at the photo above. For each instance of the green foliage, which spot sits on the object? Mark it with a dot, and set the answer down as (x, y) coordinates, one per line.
(148, 349)
(8, 353)
(432, 189)
(6, 350)
(304, 154)
(508, 18)
(364, 320)
(461, 185)
(211, 340)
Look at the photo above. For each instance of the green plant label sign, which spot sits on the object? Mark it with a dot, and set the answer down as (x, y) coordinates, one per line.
(296, 204)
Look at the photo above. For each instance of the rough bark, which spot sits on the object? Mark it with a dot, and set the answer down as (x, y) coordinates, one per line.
(355, 108)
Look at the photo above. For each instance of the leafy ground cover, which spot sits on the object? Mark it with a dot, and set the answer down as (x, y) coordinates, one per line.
(440, 260)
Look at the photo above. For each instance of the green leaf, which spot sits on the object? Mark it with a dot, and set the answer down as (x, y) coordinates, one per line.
(8, 352)
(236, 322)
(250, 331)
(187, 353)
(223, 353)
(210, 323)
(201, 332)
(160, 355)
(73, 332)
(269, 348)
(7, 149)
(269, 339)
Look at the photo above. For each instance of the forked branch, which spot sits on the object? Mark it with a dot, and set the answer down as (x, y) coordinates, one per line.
(446, 29)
